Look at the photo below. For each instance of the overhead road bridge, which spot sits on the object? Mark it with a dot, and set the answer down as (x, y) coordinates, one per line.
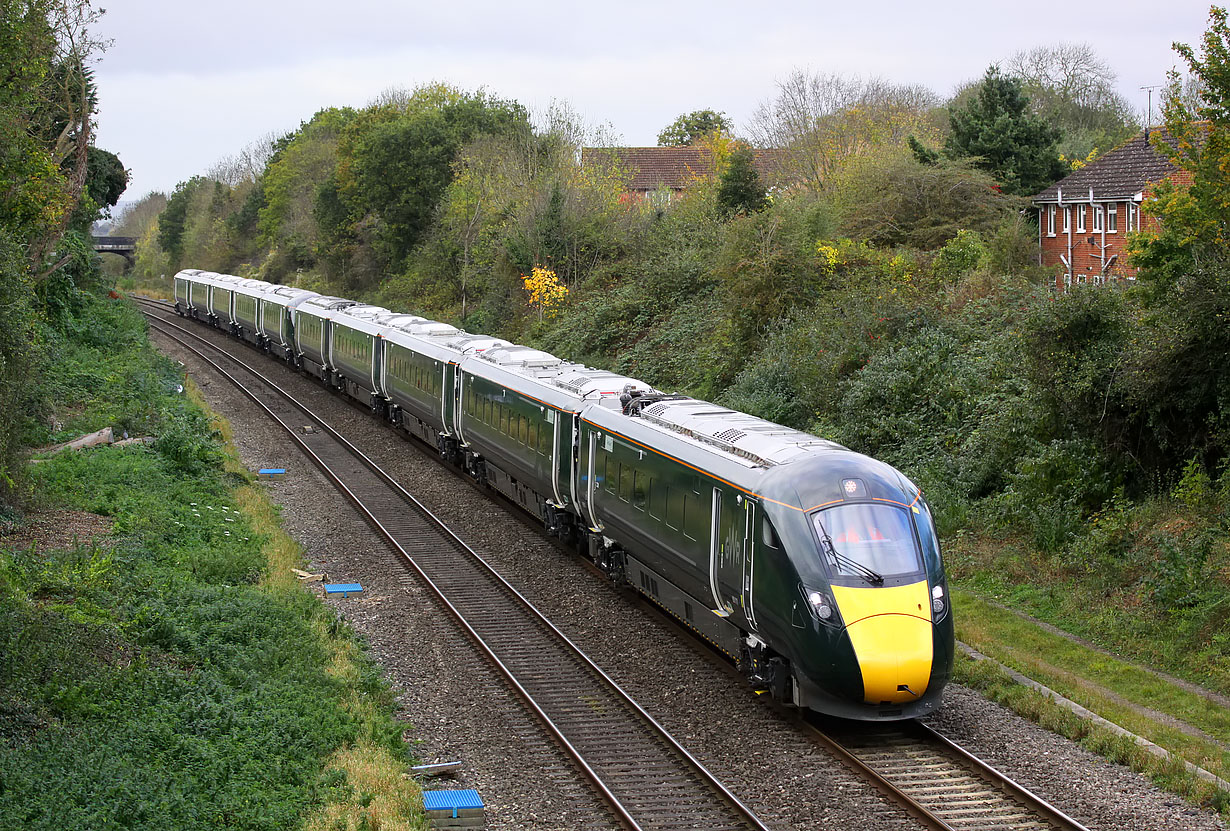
(126, 247)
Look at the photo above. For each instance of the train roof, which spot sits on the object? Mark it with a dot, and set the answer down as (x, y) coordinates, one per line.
(440, 341)
(360, 322)
(288, 296)
(322, 305)
(762, 442)
(747, 441)
(551, 379)
(251, 288)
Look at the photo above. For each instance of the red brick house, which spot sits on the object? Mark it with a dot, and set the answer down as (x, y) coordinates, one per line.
(1084, 219)
(666, 172)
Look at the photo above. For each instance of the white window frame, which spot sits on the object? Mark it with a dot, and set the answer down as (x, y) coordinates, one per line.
(1133, 217)
(1067, 220)
(1080, 219)
(1050, 220)
(1112, 218)
(1098, 218)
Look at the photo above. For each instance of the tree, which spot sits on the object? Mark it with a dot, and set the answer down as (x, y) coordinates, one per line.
(397, 170)
(174, 218)
(691, 127)
(1195, 219)
(891, 198)
(739, 188)
(998, 130)
(819, 121)
(1071, 88)
(1182, 381)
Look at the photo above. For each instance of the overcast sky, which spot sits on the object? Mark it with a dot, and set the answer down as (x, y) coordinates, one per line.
(186, 84)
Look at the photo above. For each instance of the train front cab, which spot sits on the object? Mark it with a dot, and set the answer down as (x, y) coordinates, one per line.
(851, 552)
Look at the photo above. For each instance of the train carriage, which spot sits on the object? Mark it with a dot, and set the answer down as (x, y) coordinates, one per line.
(518, 419)
(183, 282)
(311, 321)
(221, 302)
(756, 534)
(197, 285)
(356, 353)
(246, 307)
(277, 330)
(421, 358)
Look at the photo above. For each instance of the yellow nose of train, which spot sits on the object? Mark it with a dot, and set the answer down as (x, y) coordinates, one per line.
(890, 630)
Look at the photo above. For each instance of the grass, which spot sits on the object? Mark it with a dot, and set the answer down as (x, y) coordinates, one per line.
(993, 682)
(1146, 583)
(380, 794)
(173, 674)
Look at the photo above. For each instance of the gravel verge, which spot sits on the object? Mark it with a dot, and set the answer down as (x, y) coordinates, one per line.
(458, 711)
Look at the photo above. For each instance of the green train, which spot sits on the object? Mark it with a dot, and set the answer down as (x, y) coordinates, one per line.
(816, 569)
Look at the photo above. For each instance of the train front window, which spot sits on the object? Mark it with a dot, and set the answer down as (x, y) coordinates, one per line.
(867, 541)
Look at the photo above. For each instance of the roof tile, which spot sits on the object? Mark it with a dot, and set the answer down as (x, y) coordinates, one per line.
(1120, 174)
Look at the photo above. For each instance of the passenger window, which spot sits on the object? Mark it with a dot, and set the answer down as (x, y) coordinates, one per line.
(639, 480)
(674, 508)
(611, 472)
(694, 519)
(657, 498)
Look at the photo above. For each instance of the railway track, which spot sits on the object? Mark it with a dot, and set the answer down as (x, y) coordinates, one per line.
(649, 780)
(938, 782)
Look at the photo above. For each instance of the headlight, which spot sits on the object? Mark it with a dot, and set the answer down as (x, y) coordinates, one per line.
(820, 604)
(938, 606)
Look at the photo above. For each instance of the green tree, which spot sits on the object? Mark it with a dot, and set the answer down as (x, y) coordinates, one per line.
(393, 172)
(1181, 380)
(1195, 219)
(691, 127)
(740, 189)
(997, 129)
(174, 219)
(891, 198)
(1070, 87)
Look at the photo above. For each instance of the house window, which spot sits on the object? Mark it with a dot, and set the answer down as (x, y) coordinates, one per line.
(1133, 217)
(1050, 220)
(1112, 218)
(1067, 220)
(1097, 217)
(1080, 219)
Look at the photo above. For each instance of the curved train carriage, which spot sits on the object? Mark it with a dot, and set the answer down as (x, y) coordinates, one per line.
(817, 569)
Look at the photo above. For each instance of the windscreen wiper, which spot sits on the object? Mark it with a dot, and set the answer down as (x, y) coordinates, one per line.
(842, 561)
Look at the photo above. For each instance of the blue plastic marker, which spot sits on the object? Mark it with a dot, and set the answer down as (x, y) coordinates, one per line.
(468, 802)
(344, 589)
(271, 470)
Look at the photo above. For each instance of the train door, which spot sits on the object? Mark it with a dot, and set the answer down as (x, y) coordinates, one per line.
(718, 568)
(459, 381)
(563, 455)
(446, 395)
(591, 480)
(749, 544)
(729, 554)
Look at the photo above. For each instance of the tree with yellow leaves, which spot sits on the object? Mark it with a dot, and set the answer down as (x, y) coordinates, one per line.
(545, 290)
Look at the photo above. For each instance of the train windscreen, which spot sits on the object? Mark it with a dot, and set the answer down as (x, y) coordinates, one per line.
(867, 540)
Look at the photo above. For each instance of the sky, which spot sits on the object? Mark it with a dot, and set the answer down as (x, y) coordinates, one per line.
(185, 85)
